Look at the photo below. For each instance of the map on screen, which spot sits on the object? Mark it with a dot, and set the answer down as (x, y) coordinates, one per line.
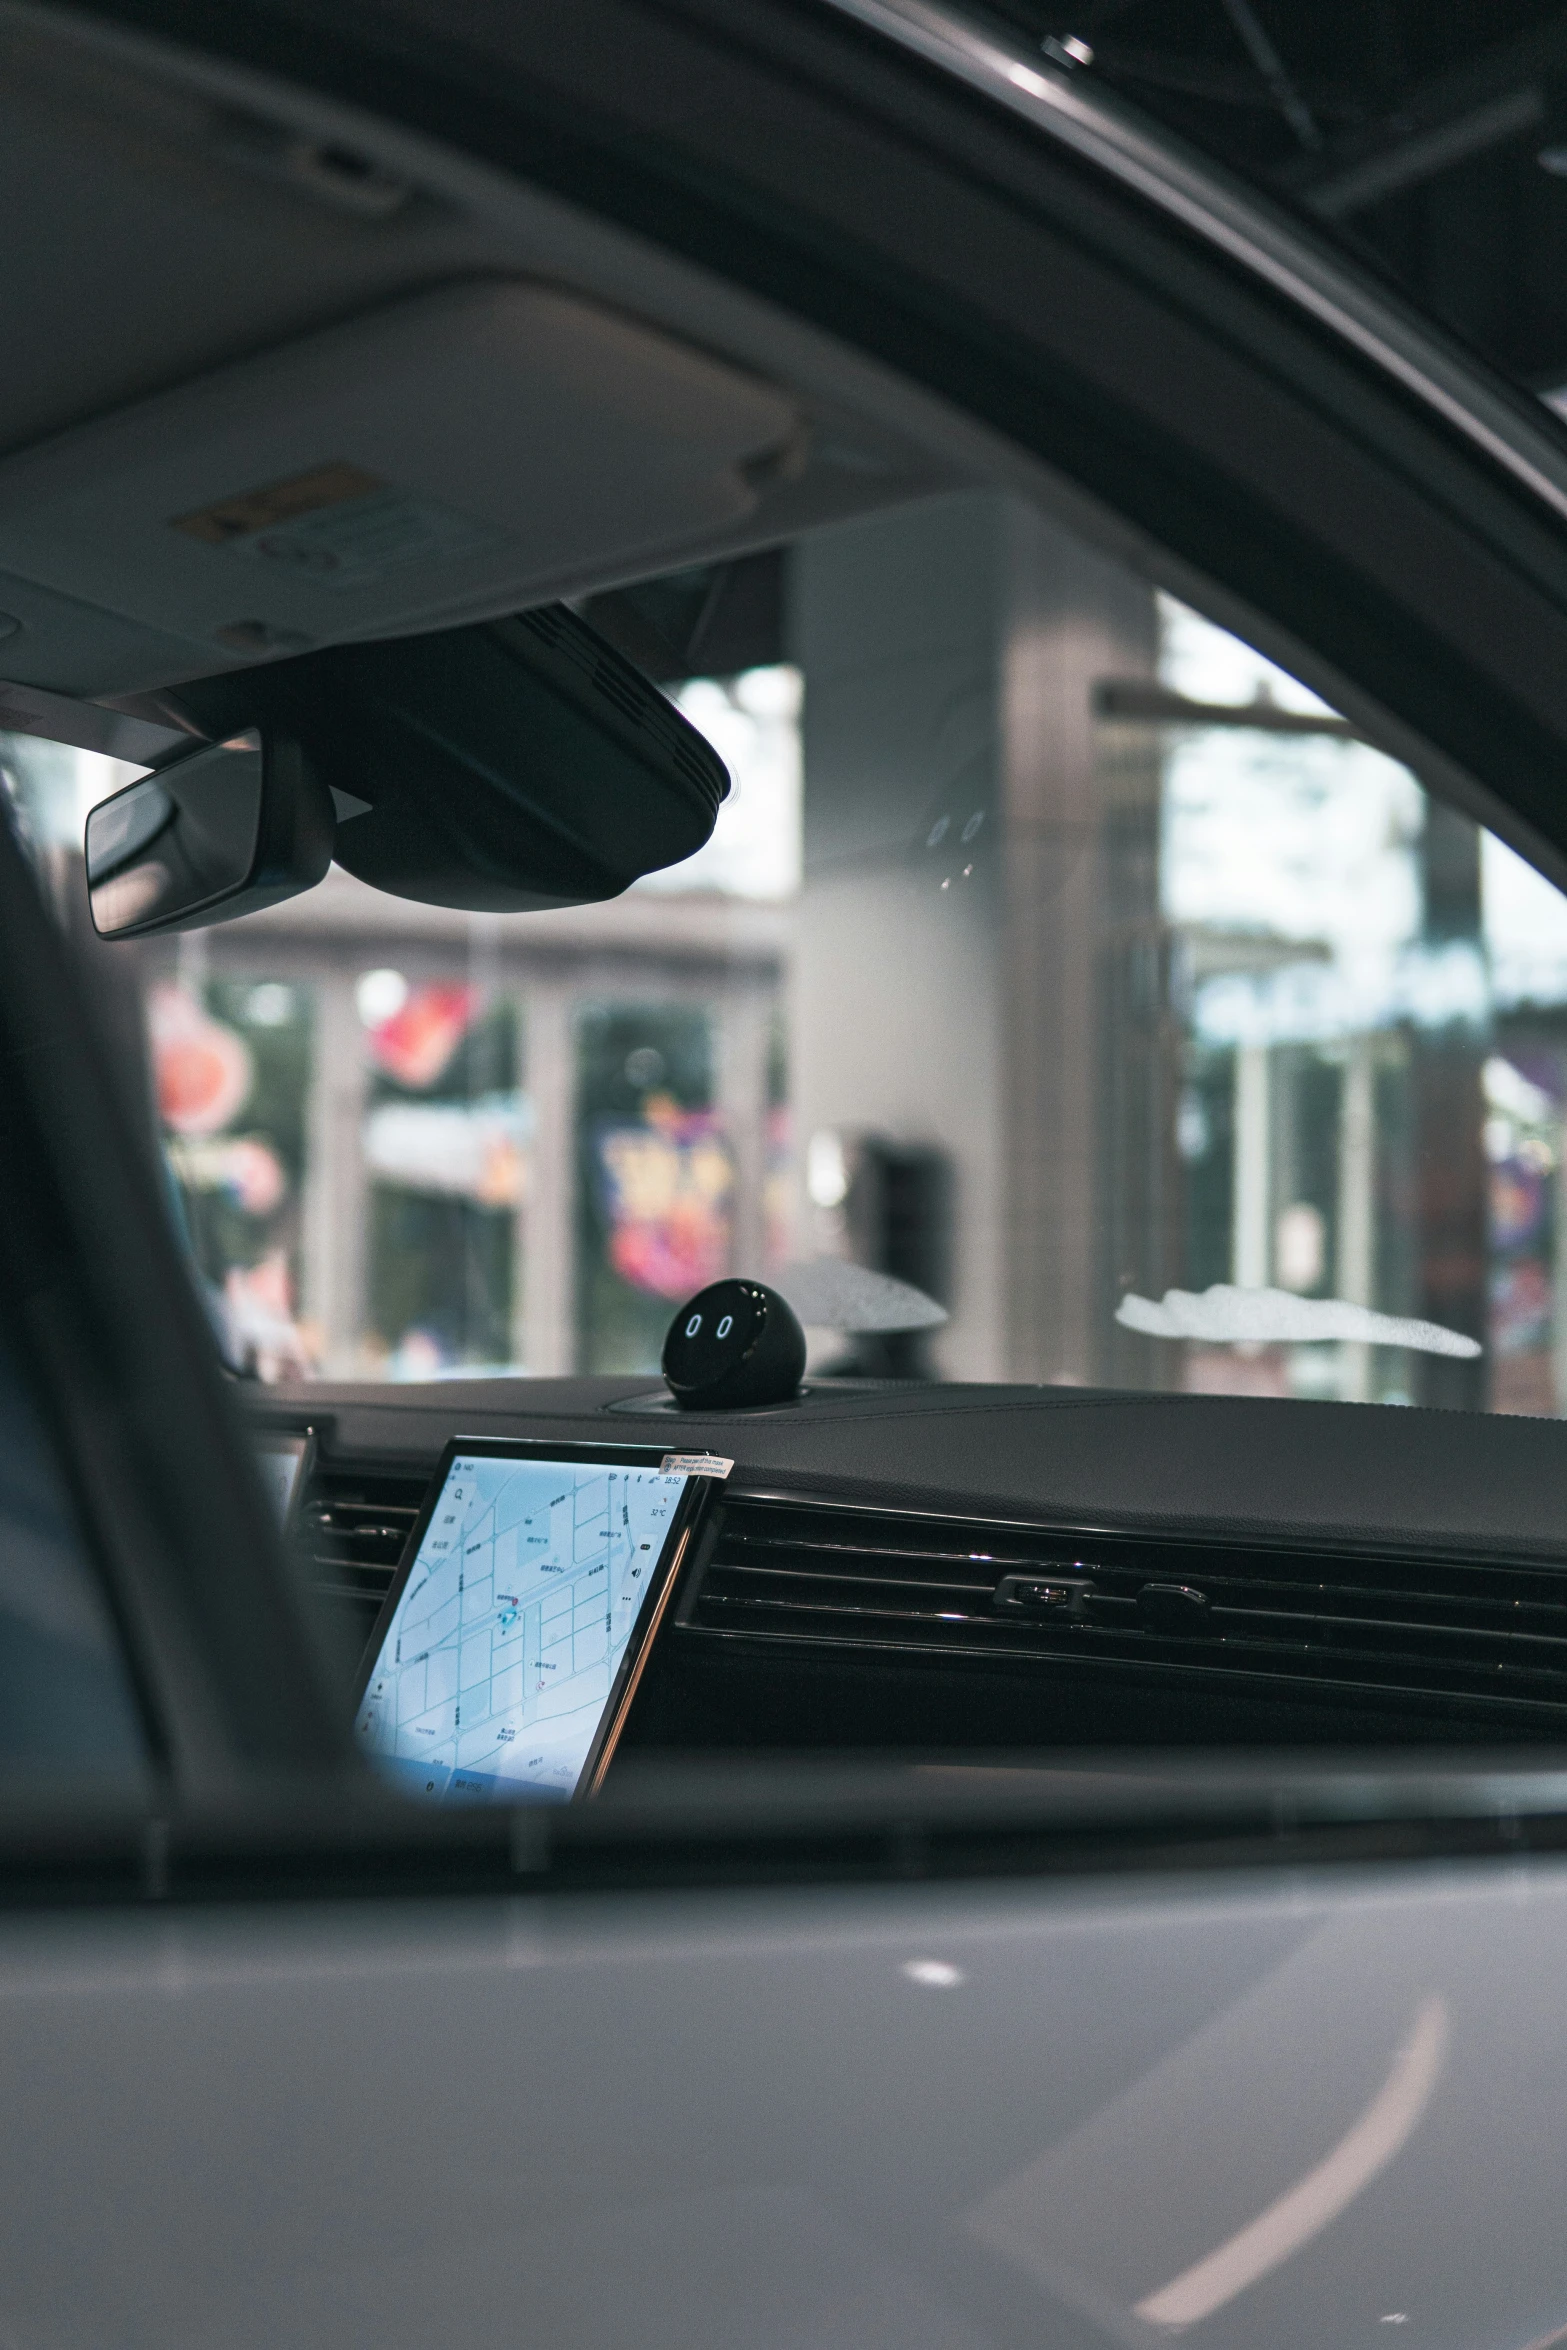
(497, 1665)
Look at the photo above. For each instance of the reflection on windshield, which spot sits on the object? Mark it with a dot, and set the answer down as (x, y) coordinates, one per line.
(1057, 957)
(1237, 2157)
(1225, 1315)
(1327, 2189)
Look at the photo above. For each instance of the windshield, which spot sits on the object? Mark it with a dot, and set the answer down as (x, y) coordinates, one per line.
(1430, 140)
(1055, 955)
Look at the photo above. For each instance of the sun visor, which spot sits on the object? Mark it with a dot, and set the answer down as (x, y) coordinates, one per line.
(470, 451)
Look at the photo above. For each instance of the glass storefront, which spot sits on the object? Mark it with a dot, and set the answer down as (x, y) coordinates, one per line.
(1056, 953)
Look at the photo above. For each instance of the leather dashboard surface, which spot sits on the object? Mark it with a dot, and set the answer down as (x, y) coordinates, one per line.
(1073, 1456)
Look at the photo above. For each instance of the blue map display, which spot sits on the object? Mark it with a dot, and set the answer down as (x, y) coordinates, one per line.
(496, 1668)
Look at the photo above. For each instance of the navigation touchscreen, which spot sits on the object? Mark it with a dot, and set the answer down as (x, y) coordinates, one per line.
(515, 1631)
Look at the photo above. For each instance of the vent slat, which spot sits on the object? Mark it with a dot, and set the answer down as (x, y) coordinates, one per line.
(1259, 1626)
(1483, 1581)
(850, 1578)
(845, 1577)
(352, 1528)
(1491, 1587)
(1382, 1609)
(1484, 1589)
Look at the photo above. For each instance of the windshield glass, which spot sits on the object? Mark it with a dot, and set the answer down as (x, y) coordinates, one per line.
(1056, 955)
(1430, 140)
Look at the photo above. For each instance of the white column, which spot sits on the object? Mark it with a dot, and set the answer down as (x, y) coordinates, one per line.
(1253, 1254)
(336, 1207)
(544, 1290)
(1559, 1285)
(1356, 1268)
(744, 1021)
(896, 1022)
(193, 960)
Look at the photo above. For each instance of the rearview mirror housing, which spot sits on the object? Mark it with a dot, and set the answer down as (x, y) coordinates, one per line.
(218, 832)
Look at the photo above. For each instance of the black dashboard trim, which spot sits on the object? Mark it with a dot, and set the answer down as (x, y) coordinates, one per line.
(1387, 1624)
(1393, 1480)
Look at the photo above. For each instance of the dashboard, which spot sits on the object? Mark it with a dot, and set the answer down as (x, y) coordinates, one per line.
(932, 1569)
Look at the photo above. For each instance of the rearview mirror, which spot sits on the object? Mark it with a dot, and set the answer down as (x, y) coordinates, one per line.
(219, 832)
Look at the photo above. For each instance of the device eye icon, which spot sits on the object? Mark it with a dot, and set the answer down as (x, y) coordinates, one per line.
(695, 1324)
(726, 1325)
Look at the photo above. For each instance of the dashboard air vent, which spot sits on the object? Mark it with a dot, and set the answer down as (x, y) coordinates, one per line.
(352, 1528)
(788, 1570)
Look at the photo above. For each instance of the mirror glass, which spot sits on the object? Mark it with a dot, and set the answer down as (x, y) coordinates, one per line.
(177, 840)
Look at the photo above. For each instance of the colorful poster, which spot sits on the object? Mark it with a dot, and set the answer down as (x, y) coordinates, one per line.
(666, 1183)
(203, 1071)
(416, 1042)
(458, 1150)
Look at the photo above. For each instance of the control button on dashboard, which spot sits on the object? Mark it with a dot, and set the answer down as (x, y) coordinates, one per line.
(1044, 1594)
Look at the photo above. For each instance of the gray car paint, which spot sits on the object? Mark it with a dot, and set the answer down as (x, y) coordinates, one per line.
(907, 2119)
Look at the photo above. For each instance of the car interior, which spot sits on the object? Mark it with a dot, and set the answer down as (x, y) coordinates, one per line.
(783, 1174)
(442, 562)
